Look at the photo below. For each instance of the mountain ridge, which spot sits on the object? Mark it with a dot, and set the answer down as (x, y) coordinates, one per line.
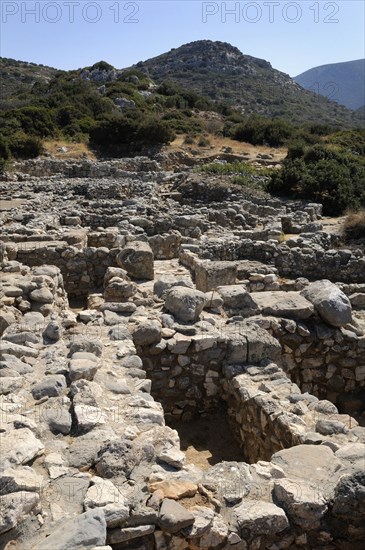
(216, 70)
(223, 73)
(344, 82)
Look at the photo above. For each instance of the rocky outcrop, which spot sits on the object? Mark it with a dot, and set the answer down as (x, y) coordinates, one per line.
(184, 303)
(330, 303)
(137, 260)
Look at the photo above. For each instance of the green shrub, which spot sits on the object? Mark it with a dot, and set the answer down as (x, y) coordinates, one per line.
(260, 131)
(296, 150)
(278, 132)
(321, 129)
(189, 140)
(236, 118)
(182, 98)
(333, 178)
(353, 141)
(154, 131)
(182, 122)
(2, 165)
(251, 131)
(25, 147)
(4, 148)
(102, 66)
(37, 121)
(168, 88)
(124, 130)
(113, 131)
(203, 142)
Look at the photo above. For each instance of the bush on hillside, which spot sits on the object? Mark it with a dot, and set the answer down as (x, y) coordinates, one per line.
(333, 178)
(113, 131)
(25, 147)
(203, 141)
(123, 130)
(154, 132)
(102, 66)
(354, 226)
(260, 131)
(182, 122)
(4, 148)
(353, 141)
(37, 121)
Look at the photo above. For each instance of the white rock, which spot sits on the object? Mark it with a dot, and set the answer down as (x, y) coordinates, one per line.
(18, 447)
(14, 507)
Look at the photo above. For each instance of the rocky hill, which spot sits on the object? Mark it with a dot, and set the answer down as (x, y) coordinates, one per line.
(217, 71)
(18, 77)
(221, 72)
(341, 82)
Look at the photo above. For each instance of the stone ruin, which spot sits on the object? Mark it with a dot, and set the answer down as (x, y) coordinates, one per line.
(139, 301)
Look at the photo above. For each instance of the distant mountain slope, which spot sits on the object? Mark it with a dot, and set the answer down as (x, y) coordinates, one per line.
(341, 82)
(221, 72)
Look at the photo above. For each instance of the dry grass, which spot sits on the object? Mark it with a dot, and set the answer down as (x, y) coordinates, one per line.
(354, 226)
(218, 143)
(216, 146)
(74, 150)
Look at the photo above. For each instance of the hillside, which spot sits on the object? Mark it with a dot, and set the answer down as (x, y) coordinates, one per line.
(218, 72)
(18, 77)
(341, 82)
(120, 112)
(222, 73)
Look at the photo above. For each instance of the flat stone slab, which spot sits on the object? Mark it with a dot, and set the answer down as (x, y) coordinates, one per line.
(19, 447)
(260, 518)
(82, 532)
(30, 246)
(311, 462)
(304, 503)
(283, 304)
(211, 274)
(173, 516)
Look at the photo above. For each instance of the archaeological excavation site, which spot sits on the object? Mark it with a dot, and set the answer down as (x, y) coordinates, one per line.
(182, 363)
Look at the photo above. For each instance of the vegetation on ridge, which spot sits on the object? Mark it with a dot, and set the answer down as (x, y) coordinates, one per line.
(122, 112)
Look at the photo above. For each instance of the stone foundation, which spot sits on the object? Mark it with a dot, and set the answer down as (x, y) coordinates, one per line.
(87, 459)
(292, 262)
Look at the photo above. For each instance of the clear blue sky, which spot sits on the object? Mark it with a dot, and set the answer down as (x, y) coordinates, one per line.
(293, 36)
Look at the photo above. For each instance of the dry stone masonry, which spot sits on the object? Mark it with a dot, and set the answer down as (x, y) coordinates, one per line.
(138, 297)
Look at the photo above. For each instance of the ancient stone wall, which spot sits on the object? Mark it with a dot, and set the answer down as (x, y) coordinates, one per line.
(268, 412)
(194, 375)
(87, 459)
(85, 168)
(328, 362)
(83, 270)
(335, 265)
(186, 369)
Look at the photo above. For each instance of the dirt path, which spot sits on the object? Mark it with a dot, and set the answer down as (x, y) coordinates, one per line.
(333, 225)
